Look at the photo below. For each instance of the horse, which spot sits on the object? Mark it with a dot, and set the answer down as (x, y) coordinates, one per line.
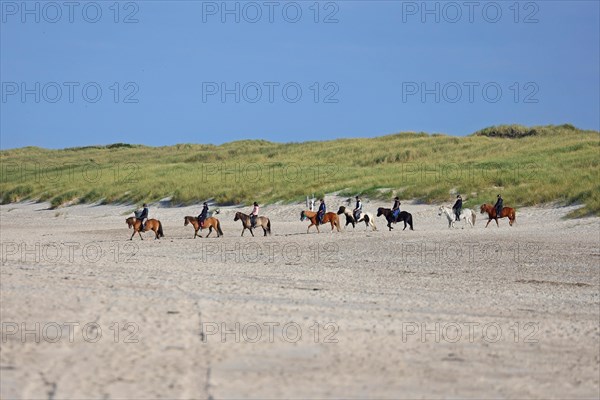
(365, 217)
(210, 223)
(403, 216)
(511, 213)
(152, 224)
(263, 222)
(330, 217)
(466, 214)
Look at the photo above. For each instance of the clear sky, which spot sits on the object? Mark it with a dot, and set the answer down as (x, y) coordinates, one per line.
(167, 72)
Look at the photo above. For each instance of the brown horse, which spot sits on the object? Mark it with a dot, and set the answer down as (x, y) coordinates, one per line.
(330, 217)
(151, 225)
(210, 223)
(491, 212)
(263, 222)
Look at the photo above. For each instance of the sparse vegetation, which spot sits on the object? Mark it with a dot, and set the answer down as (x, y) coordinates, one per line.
(527, 165)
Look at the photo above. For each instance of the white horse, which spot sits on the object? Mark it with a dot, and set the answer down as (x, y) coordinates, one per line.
(365, 217)
(466, 214)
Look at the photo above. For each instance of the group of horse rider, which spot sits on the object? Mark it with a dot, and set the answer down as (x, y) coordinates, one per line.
(143, 215)
(204, 214)
(457, 207)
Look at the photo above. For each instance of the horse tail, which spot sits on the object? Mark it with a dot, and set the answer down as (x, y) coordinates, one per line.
(269, 226)
(410, 221)
(474, 217)
(219, 228)
(514, 215)
(160, 230)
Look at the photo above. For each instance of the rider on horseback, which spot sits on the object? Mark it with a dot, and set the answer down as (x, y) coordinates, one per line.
(253, 215)
(321, 212)
(203, 214)
(457, 207)
(358, 209)
(396, 208)
(498, 206)
(143, 215)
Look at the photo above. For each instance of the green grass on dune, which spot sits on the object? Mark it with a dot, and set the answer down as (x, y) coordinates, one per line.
(527, 165)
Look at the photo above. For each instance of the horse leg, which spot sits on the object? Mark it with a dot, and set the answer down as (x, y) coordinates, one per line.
(243, 229)
(497, 224)
(252, 233)
(404, 225)
(156, 234)
(140, 235)
(489, 220)
(133, 234)
(264, 230)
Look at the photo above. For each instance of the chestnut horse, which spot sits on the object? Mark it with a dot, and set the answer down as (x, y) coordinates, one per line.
(152, 224)
(491, 212)
(330, 217)
(263, 222)
(210, 223)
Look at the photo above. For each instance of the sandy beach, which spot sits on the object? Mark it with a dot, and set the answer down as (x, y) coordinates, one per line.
(509, 312)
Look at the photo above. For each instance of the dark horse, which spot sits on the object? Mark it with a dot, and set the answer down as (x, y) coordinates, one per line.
(263, 222)
(210, 223)
(403, 216)
(491, 212)
(152, 224)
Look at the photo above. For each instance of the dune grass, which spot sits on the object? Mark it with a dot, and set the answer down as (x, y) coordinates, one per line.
(537, 165)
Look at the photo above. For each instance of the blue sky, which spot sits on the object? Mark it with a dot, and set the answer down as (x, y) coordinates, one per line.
(154, 72)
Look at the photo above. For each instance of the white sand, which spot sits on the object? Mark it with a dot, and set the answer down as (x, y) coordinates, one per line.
(377, 291)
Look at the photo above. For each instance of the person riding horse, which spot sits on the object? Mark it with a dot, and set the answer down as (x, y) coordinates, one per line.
(457, 207)
(253, 215)
(358, 209)
(322, 211)
(499, 206)
(141, 216)
(396, 208)
(203, 215)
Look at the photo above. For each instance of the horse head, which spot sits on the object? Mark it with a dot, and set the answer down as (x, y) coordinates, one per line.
(483, 208)
(237, 216)
(441, 210)
(379, 211)
(187, 221)
(302, 216)
(342, 210)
